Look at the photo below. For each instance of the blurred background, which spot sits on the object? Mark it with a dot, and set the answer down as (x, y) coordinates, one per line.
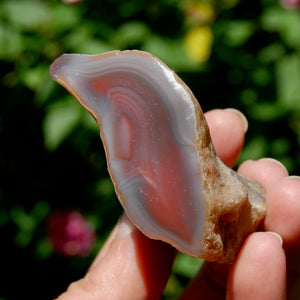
(57, 204)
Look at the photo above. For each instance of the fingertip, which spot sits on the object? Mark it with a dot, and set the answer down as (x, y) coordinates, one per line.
(140, 266)
(123, 228)
(272, 161)
(259, 270)
(293, 178)
(277, 235)
(241, 116)
(227, 128)
(283, 210)
(267, 171)
(258, 247)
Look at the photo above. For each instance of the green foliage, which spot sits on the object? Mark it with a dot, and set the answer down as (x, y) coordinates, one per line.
(51, 154)
(27, 223)
(288, 74)
(60, 119)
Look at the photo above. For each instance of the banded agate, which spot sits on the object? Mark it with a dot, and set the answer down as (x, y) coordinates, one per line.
(159, 153)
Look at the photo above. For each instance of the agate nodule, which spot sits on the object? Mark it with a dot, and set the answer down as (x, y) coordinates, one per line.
(159, 153)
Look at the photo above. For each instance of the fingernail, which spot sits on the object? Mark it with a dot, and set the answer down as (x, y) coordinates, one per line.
(241, 116)
(125, 226)
(293, 177)
(277, 235)
(274, 161)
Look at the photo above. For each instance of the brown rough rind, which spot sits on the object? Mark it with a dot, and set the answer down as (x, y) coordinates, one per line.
(236, 204)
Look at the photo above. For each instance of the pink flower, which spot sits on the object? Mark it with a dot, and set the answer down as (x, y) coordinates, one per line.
(71, 1)
(290, 3)
(70, 234)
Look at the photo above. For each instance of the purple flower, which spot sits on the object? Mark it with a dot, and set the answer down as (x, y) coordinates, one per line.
(70, 234)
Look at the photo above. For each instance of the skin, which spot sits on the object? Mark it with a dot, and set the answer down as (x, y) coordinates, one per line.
(132, 266)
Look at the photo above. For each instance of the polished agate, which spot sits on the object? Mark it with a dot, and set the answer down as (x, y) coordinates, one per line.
(160, 156)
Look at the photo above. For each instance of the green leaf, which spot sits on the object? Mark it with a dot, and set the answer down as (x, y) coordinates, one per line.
(172, 289)
(280, 146)
(105, 187)
(43, 248)
(82, 41)
(271, 53)
(288, 81)
(238, 32)
(34, 78)
(266, 111)
(40, 210)
(256, 148)
(89, 122)
(64, 17)
(129, 34)
(187, 266)
(25, 14)
(291, 29)
(127, 9)
(249, 96)
(261, 76)
(171, 52)
(26, 225)
(11, 43)
(285, 22)
(61, 118)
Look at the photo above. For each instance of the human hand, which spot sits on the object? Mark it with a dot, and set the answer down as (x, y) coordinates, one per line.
(132, 266)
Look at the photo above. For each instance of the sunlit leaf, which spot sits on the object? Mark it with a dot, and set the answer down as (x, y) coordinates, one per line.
(172, 289)
(106, 187)
(11, 43)
(271, 52)
(26, 225)
(82, 41)
(256, 148)
(33, 78)
(64, 17)
(238, 32)
(171, 52)
(288, 81)
(26, 14)
(187, 266)
(266, 111)
(129, 34)
(285, 22)
(60, 120)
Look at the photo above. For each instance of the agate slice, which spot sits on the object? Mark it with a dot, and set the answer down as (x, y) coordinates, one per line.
(159, 153)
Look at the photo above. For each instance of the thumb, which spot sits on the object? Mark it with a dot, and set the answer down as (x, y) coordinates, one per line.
(129, 266)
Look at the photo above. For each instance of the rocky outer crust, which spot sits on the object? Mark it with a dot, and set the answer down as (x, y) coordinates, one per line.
(235, 204)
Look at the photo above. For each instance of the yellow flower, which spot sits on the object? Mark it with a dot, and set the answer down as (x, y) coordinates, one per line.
(197, 43)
